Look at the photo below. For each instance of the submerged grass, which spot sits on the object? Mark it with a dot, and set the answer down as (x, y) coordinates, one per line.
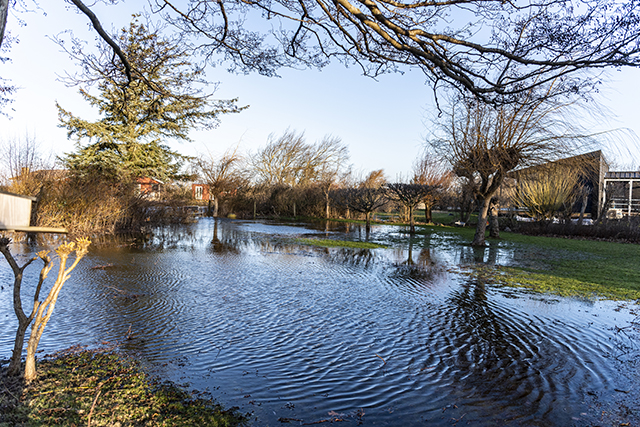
(329, 243)
(577, 267)
(82, 387)
(562, 266)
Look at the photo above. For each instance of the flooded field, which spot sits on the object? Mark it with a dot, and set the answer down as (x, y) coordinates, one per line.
(398, 337)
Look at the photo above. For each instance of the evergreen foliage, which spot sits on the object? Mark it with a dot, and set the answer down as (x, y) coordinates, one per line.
(161, 102)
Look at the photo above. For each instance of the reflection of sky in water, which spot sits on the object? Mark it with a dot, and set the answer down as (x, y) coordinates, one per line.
(275, 228)
(292, 331)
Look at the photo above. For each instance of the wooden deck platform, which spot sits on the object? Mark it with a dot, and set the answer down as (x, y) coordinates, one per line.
(29, 229)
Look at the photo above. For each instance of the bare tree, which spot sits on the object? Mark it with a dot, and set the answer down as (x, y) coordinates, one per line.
(290, 161)
(365, 197)
(362, 199)
(430, 171)
(483, 143)
(408, 195)
(493, 49)
(20, 159)
(335, 155)
(221, 175)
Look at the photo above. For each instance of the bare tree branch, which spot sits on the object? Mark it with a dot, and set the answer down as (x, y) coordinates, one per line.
(103, 34)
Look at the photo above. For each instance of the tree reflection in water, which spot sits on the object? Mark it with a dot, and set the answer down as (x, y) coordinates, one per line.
(228, 245)
(506, 360)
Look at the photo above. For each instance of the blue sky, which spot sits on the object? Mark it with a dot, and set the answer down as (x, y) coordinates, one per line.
(383, 122)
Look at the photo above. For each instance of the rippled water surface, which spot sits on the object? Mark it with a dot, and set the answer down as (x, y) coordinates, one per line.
(398, 336)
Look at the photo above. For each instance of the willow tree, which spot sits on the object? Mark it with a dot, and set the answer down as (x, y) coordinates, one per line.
(547, 192)
(289, 161)
(222, 175)
(155, 98)
(483, 143)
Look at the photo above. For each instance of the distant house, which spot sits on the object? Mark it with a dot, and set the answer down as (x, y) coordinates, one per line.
(200, 192)
(149, 187)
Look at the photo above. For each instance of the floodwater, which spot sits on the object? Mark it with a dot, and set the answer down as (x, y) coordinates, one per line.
(394, 337)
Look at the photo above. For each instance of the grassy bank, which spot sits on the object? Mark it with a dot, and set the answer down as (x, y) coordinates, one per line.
(570, 266)
(94, 388)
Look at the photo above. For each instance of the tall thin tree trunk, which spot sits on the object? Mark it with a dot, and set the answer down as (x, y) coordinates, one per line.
(327, 205)
(583, 208)
(23, 321)
(368, 222)
(16, 356)
(412, 224)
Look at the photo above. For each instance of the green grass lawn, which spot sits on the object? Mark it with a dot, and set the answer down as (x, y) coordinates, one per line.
(571, 266)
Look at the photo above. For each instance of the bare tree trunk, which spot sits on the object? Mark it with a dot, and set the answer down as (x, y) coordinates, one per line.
(327, 205)
(215, 206)
(583, 208)
(23, 320)
(428, 214)
(4, 11)
(368, 222)
(412, 224)
(45, 309)
(494, 224)
(481, 228)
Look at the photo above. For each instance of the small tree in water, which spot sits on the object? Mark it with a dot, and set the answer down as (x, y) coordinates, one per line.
(42, 310)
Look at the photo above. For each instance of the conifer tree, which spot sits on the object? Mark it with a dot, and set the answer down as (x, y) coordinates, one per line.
(161, 101)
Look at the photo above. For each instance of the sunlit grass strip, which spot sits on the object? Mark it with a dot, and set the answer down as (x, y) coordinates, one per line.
(611, 265)
(102, 389)
(548, 283)
(329, 243)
